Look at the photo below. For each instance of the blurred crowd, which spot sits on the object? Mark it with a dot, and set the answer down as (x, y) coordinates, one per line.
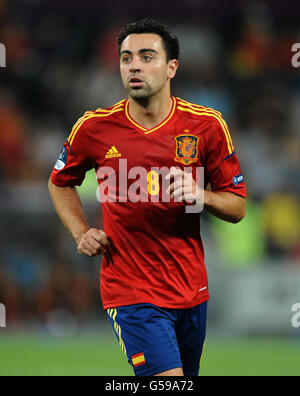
(57, 69)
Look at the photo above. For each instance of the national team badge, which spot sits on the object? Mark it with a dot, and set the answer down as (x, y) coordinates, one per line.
(186, 149)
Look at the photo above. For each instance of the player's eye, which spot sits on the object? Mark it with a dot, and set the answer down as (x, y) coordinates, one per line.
(126, 59)
(147, 57)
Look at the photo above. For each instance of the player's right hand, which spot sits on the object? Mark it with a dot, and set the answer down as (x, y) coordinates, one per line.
(93, 243)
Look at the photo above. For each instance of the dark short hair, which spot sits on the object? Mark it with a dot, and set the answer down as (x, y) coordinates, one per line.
(152, 25)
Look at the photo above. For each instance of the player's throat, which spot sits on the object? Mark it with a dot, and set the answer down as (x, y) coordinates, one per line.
(151, 113)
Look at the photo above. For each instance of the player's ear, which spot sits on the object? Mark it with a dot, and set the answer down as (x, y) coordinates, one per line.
(172, 68)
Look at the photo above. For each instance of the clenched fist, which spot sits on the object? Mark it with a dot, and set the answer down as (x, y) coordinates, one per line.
(183, 187)
(93, 243)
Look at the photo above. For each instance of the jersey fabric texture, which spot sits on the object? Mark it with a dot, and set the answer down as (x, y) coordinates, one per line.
(157, 339)
(156, 254)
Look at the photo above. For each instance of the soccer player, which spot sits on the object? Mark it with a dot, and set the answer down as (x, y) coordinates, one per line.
(153, 278)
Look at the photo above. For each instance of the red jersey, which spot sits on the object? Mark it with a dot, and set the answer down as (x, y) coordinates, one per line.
(156, 254)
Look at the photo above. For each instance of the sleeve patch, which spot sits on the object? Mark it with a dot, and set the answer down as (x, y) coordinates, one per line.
(238, 179)
(62, 160)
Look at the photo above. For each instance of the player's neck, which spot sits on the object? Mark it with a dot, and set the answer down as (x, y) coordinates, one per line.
(151, 112)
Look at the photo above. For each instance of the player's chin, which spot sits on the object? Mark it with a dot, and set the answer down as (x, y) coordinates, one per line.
(139, 93)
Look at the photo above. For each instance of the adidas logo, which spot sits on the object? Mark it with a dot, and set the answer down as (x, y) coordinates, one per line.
(113, 153)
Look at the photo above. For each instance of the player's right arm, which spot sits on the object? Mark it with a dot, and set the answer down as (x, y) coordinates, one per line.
(69, 171)
(90, 241)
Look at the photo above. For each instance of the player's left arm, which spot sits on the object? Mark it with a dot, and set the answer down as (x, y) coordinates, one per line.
(225, 205)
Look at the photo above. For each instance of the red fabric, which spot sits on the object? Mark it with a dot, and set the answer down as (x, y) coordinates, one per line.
(156, 254)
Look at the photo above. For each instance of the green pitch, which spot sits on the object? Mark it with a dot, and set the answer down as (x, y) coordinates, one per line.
(90, 355)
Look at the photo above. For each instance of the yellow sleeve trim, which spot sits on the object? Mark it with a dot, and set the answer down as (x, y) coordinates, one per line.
(89, 115)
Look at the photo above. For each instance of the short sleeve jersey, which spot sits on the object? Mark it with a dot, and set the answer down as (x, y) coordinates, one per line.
(156, 253)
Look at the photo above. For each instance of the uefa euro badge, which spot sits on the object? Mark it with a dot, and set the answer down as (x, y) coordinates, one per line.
(62, 160)
(186, 149)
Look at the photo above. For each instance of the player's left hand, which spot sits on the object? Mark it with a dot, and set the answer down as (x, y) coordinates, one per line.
(183, 187)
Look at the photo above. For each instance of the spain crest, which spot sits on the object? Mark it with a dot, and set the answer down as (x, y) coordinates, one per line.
(186, 149)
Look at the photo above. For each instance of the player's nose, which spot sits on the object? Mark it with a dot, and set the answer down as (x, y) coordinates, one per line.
(135, 65)
(135, 70)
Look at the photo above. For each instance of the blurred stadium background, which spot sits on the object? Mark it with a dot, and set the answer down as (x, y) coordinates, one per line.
(61, 60)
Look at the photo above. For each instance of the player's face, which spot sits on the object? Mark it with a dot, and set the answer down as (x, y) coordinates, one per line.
(144, 67)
